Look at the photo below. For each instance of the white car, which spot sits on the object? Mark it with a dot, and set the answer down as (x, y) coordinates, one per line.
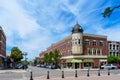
(109, 66)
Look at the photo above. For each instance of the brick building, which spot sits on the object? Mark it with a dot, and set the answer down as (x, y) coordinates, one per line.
(81, 50)
(2, 48)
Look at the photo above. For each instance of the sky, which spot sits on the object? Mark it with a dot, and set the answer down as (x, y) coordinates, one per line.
(33, 25)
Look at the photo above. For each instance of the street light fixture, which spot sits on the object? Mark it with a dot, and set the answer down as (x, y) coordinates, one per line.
(25, 54)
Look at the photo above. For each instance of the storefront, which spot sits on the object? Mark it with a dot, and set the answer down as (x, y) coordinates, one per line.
(74, 63)
(88, 63)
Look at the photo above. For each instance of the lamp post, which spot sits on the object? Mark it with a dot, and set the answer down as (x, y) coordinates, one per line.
(88, 70)
(25, 54)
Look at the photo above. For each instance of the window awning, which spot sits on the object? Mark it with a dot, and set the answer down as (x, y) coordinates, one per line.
(88, 60)
(74, 60)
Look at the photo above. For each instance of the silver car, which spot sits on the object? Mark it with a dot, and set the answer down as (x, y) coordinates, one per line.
(109, 66)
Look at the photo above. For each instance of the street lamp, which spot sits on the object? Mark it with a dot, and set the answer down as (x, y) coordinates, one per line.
(88, 70)
(25, 54)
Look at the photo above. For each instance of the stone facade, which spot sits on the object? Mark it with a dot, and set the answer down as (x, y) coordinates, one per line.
(113, 48)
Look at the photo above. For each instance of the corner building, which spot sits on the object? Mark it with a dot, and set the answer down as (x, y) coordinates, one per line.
(80, 50)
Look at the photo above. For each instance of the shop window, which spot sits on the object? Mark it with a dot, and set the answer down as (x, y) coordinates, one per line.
(69, 65)
(87, 64)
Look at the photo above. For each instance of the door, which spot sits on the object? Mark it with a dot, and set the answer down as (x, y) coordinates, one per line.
(76, 65)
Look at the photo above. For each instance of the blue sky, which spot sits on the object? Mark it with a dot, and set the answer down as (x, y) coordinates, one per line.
(33, 25)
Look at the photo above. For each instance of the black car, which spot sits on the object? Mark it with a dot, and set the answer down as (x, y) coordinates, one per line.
(21, 66)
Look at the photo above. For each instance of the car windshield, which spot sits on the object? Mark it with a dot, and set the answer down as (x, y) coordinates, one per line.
(108, 65)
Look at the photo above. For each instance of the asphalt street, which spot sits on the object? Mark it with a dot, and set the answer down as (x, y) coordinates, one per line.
(56, 74)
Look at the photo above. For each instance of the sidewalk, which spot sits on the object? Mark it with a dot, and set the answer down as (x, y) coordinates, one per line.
(13, 71)
(93, 77)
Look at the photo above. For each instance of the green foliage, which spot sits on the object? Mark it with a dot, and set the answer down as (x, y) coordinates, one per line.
(57, 55)
(35, 62)
(16, 54)
(52, 57)
(46, 58)
(108, 11)
(113, 59)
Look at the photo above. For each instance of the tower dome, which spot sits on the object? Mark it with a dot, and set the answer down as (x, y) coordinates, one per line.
(77, 28)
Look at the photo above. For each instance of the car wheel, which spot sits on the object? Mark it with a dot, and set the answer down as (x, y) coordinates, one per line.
(113, 68)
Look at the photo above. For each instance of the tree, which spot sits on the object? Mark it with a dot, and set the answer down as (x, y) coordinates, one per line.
(113, 59)
(16, 54)
(46, 58)
(35, 62)
(50, 57)
(108, 11)
(56, 55)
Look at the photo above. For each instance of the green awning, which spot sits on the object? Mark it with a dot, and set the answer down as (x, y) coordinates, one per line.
(68, 60)
(74, 60)
(88, 60)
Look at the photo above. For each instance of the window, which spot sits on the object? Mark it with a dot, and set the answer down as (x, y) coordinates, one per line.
(110, 53)
(78, 41)
(87, 42)
(101, 43)
(113, 47)
(113, 53)
(117, 54)
(117, 47)
(94, 43)
(90, 51)
(75, 41)
(87, 64)
(98, 52)
(68, 44)
(94, 52)
(110, 46)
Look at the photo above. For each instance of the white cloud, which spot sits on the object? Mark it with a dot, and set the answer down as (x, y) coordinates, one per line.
(22, 30)
(34, 25)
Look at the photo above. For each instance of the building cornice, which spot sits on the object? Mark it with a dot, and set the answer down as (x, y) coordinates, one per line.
(94, 35)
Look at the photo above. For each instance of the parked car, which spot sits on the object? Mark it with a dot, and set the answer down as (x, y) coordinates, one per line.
(109, 66)
(43, 65)
(21, 66)
(51, 66)
(118, 66)
(38, 65)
